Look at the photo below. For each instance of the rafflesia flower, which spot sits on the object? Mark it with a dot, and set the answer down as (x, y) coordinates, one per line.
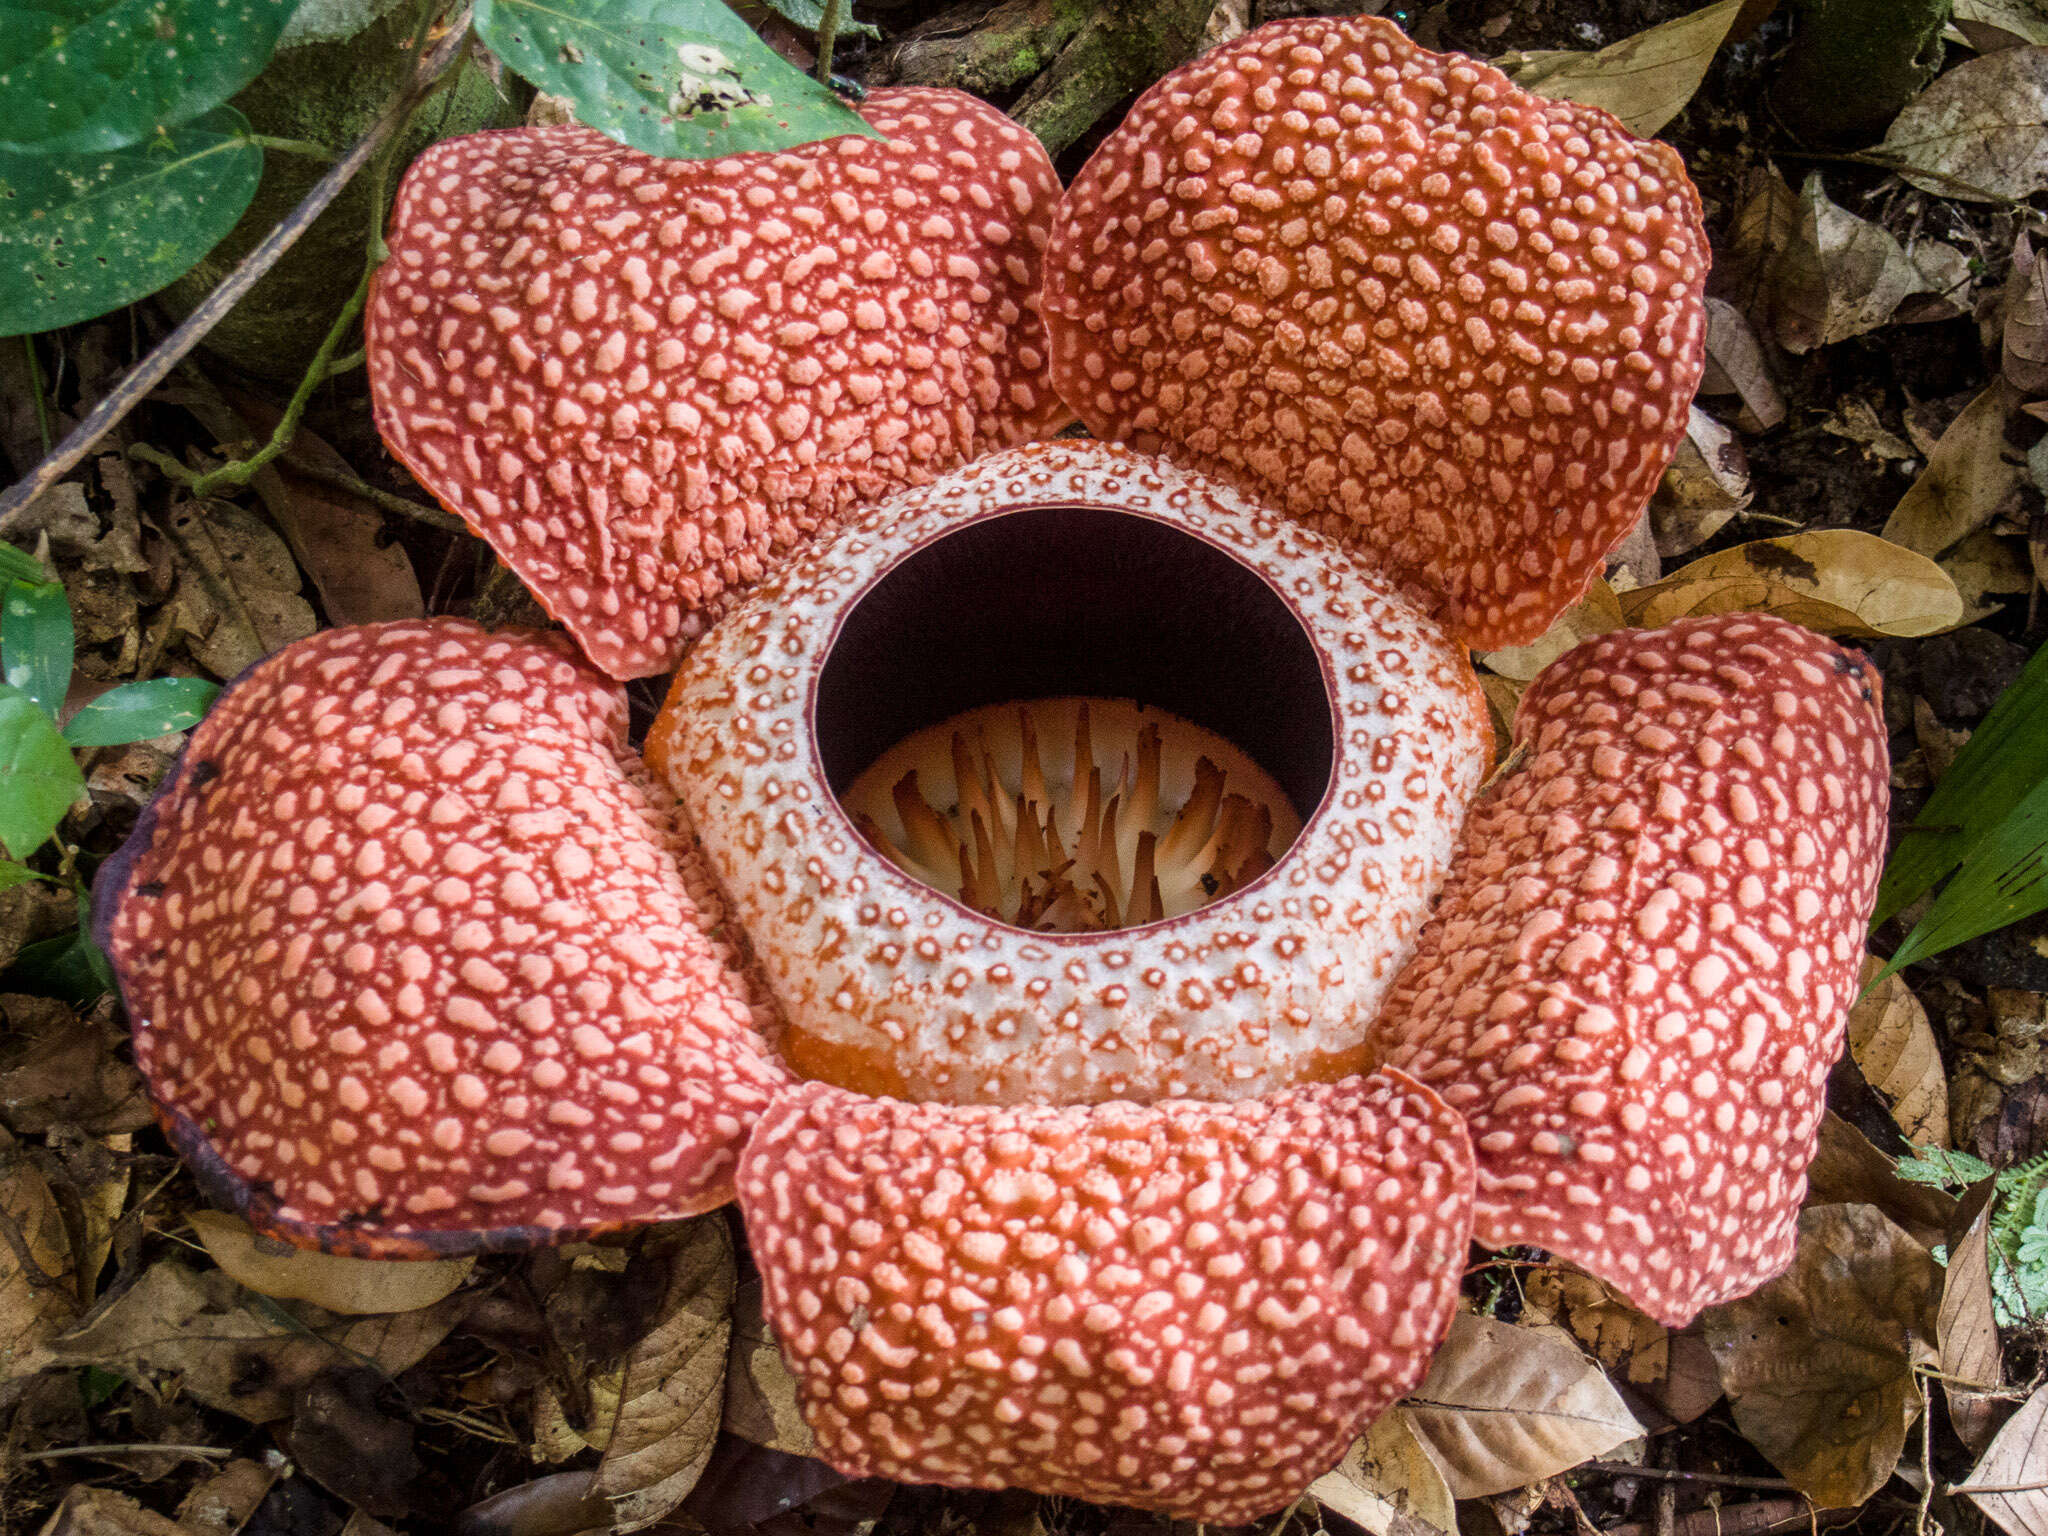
(1049, 901)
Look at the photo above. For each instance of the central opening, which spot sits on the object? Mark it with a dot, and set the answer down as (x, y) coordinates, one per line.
(1074, 719)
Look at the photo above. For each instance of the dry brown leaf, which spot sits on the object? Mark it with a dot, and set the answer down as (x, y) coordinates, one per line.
(226, 1498)
(1736, 366)
(231, 1351)
(1966, 1330)
(1503, 1407)
(1838, 581)
(38, 1296)
(1706, 484)
(1818, 1363)
(238, 588)
(1855, 419)
(1970, 477)
(1840, 275)
(362, 577)
(1766, 223)
(352, 1287)
(1386, 1482)
(1848, 1170)
(58, 1068)
(1994, 24)
(1634, 1347)
(1644, 80)
(761, 1396)
(1597, 613)
(2011, 1483)
(1893, 1045)
(1986, 566)
(669, 1391)
(1503, 697)
(89, 1511)
(1692, 1385)
(2024, 359)
(1980, 131)
(1944, 283)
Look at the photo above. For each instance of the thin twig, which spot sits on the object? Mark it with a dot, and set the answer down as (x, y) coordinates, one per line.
(203, 1452)
(151, 371)
(1976, 1488)
(1672, 1475)
(384, 501)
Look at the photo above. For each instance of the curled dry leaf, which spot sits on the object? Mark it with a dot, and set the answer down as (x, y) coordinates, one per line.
(1387, 1483)
(669, 1388)
(1736, 366)
(1503, 1407)
(2024, 356)
(1980, 131)
(1594, 614)
(1848, 1170)
(1766, 223)
(232, 1351)
(1984, 567)
(1644, 80)
(1837, 581)
(351, 1287)
(761, 1396)
(2011, 1483)
(1818, 1364)
(1838, 277)
(1706, 484)
(1966, 1329)
(1971, 476)
(1893, 1045)
(1994, 24)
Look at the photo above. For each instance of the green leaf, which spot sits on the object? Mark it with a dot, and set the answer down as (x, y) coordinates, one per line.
(13, 874)
(38, 776)
(1938, 1165)
(36, 641)
(685, 79)
(2003, 760)
(83, 234)
(79, 76)
(69, 966)
(2004, 879)
(332, 21)
(20, 565)
(138, 711)
(809, 15)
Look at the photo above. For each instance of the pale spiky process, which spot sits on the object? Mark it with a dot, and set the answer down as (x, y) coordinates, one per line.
(1129, 815)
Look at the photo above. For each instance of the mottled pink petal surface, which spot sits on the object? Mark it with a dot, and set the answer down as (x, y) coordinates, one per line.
(642, 380)
(1638, 976)
(412, 959)
(1440, 318)
(1186, 1306)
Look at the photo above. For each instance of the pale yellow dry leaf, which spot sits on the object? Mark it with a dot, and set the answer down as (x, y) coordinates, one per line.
(2020, 22)
(671, 1384)
(1840, 275)
(1634, 1347)
(761, 1396)
(2011, 1483)
(1838, 581)
(1893, 1045)
(1818, 1363)
(1387, 1480)
(1966, 1331)
(1503, 1407)
(1980, 131)
(1597, 613)
(1503, 697)
(1645, 80)
(89, 1511)
(1971, 475)
(1706, 483)
(353, 1287)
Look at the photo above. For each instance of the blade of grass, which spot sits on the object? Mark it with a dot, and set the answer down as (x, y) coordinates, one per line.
(2004, 880)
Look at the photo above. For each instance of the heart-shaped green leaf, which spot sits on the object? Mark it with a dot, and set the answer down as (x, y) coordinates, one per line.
(83, 234)
(38, 776)
(684, 79)
(36, 641)
(84, 75)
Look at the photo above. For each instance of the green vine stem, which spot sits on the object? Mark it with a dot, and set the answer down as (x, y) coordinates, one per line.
(828, 32)
(304, 147)
(240, 471)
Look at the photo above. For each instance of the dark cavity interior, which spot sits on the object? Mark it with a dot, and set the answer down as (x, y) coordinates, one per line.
(1077, 600)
